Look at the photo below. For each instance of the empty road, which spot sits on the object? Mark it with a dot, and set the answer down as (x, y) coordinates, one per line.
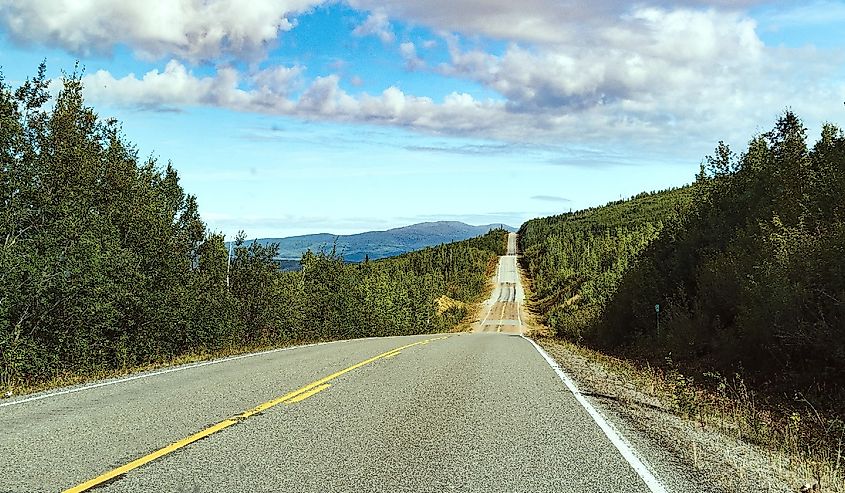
(501, 313)
(457, 412)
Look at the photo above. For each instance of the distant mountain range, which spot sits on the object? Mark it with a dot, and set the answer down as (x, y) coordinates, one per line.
(380, 244)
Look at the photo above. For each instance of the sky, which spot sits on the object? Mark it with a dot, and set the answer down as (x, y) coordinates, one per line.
(289, 117)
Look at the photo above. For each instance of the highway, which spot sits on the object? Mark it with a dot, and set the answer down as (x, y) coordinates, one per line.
(502, 310)
(483, 412)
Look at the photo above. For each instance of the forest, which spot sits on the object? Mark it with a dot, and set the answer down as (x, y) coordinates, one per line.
(745, 265)
(106, 263)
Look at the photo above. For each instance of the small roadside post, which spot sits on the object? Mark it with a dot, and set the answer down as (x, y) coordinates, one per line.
(228, 267)
(657, 313)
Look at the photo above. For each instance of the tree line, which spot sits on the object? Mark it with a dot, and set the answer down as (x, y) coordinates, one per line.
(746, 265)
(105, 262)
(576, 260)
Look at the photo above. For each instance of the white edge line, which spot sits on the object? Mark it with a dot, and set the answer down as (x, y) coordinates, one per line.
(175, 369)
(516, 294)
(653, 484)
(484, 320)
(492, 295)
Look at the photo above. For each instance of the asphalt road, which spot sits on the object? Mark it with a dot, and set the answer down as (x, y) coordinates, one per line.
(501, 312)
(459, 412)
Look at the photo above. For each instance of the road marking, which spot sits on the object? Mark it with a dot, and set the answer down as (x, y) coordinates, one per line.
(654, 485)
(153, 456)
(291, 397)
(305, 395)
(501, 317)
(489, 311)
(175, 369)
(492, 304)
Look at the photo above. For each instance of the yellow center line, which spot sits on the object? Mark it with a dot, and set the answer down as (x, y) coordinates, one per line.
(297, 395)
(305, 395)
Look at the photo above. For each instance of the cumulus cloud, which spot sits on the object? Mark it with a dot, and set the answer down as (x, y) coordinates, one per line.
(609, 71)
(377, 24)
(189, 29)
(535, 21)
(269, 91)
(723, 106)
(643, 70)
(653, 74)
(458, 112)
(177, 86)
(648, 51)
(174, 86)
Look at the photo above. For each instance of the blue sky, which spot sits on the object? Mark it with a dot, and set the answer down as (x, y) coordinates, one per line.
(301, 116)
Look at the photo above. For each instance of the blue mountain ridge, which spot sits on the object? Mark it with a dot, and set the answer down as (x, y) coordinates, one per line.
(379, 244)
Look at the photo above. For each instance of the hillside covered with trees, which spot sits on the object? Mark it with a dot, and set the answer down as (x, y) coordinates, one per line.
(380, 244)
(105, 262)
(746, 265)
(576, 260)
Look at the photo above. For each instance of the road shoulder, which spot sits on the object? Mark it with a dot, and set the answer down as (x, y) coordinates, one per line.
(672, 445)
(680, 451)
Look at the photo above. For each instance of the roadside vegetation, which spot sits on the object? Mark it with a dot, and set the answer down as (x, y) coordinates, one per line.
(106, 264)
(746, 267)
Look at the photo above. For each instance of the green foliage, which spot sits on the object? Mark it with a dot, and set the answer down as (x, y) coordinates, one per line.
(576, 260)
(390, 296)
(98, 249)
(750, 276)
(105, 262)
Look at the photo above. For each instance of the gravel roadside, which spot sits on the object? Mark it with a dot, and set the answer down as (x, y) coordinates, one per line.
(669, 443)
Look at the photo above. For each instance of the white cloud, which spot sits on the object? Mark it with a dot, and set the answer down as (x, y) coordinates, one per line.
(409, 54)
(619, 101)
(268, 91)
(176, 87)
(609, 71)
(534, 21)
(189, 29)
(376, 24)
(650, 51)
(276, 82)
(652, 75)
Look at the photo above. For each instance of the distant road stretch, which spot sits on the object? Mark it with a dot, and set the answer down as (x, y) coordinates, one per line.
(502, 310)
(481, 412)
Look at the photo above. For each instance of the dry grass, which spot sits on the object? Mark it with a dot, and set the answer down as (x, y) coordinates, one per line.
(802, 445)
(445, 303)
(69, 379)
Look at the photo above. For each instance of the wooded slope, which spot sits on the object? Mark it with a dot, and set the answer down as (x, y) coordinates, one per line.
(749, 276)
(105, 262)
